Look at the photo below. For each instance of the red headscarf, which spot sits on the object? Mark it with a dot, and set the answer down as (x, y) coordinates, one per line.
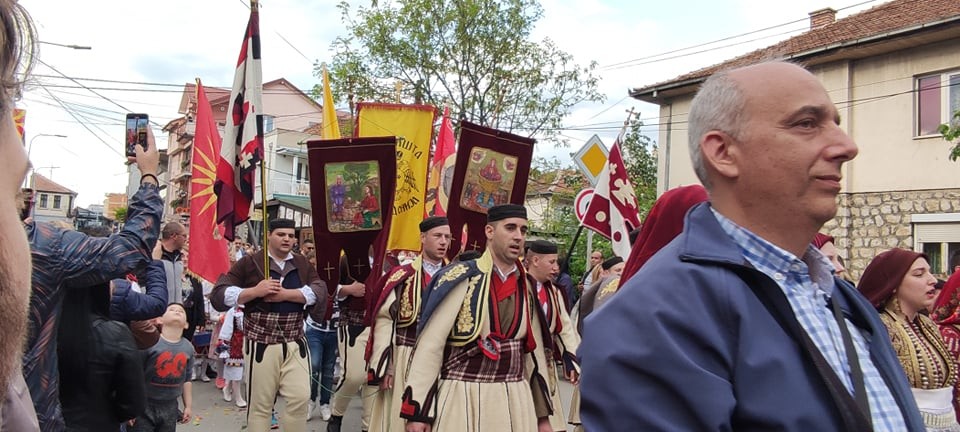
(821, 239)
(945, 311)
(885, 273)
(662, 225)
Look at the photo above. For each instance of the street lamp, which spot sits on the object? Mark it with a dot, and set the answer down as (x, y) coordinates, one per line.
(30, 149)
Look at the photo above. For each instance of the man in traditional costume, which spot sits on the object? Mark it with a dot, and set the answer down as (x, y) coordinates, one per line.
(394, 330)
(352, 334)
(276, 301)
(472, 369)
(557, 339)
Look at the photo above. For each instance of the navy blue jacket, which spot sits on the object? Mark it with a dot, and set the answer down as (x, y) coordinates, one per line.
(128, 305)
(687, 345)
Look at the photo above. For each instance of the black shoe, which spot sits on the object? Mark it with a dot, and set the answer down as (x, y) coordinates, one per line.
(334, 424)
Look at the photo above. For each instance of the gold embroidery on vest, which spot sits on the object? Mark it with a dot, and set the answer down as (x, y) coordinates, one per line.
(920, 349)
(453, 273)
(397, 275)
(465, 318)
(406, 306)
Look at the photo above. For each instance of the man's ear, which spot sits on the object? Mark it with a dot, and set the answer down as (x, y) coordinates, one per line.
(488, 230)
(720, 153)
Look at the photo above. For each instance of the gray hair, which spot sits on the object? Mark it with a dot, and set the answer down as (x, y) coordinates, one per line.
(718, 105)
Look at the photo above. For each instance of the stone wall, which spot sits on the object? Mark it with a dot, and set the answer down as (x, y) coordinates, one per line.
(870, 223)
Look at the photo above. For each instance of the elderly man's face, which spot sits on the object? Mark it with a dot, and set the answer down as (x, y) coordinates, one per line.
(14, 250)
(786, 163)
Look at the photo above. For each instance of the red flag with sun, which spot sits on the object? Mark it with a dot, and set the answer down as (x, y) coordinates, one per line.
(208, 249)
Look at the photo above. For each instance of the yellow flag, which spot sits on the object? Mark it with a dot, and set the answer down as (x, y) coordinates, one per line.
(413, 127)
(331, 127)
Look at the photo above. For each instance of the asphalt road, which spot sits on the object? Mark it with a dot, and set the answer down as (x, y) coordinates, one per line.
(212, 413)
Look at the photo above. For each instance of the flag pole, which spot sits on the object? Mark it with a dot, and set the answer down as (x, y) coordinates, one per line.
(263, 185)
(565, 265)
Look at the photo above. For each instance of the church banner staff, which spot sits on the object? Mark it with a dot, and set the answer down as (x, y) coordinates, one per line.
(351, 196)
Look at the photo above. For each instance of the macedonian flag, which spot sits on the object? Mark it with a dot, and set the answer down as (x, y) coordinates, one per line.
(19, 118)
(413, 127)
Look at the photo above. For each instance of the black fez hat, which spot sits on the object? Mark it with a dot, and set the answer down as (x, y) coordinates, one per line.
(469, 255)
(543, 247)
(611, 262)
(503, 211)
(282, 223)
(433, 222)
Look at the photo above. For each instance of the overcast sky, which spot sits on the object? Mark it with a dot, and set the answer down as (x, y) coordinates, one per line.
(177, 40)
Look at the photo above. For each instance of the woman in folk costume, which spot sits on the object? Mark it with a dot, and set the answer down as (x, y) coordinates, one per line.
(394, 330)
(473, 367)
(899, 284)
(230, 349)
(663, 223)
(947, 316)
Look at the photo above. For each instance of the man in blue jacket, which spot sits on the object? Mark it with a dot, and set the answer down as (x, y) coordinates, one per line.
(734, 325)
(67, 259)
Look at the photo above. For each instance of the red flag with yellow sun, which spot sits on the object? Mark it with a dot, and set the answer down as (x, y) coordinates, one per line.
(208, 249)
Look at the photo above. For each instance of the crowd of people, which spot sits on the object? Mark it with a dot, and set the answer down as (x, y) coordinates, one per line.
(732, 312)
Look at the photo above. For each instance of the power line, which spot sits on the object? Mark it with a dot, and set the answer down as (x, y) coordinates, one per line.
(616, 65)
(81, 123)
(83, 86)
(705, 50)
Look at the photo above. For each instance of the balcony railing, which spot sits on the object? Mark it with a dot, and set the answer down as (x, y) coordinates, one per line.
(289, 187)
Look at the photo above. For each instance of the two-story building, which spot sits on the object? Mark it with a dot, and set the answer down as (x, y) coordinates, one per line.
(894, 73)
(53, 202)
(289, 113)
(111, 203)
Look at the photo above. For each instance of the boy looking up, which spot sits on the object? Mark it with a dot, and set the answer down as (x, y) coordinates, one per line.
(165, 369)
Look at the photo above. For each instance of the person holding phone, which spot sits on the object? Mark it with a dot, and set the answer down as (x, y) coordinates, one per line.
(68, 259)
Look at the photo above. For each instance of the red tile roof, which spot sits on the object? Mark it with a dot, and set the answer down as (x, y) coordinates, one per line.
(897, 15)
(43, 184)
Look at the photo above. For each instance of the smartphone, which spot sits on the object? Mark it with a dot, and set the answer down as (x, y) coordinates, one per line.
(137, 125)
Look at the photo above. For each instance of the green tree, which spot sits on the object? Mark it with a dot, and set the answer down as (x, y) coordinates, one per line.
(475, 55)
(950, 132)
(120, 214)
(560, 221)
(356, 175)
(640, 158)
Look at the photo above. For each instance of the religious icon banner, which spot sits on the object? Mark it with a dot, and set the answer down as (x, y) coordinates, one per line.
(413, 127)
(353, 184)
(492, 168)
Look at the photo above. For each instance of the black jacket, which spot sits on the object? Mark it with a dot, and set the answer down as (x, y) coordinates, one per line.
(114, 389)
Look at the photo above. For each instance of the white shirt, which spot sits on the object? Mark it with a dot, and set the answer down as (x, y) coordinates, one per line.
(232, 294)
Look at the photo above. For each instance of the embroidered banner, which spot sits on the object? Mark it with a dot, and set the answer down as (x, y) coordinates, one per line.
(413, 127)
(492, 168)
(353, 182)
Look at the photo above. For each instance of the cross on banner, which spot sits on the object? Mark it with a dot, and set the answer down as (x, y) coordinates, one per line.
(476, 246)
(328, 268)
(360, 265)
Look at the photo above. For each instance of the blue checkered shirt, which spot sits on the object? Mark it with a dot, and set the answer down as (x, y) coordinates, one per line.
(808, 283)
